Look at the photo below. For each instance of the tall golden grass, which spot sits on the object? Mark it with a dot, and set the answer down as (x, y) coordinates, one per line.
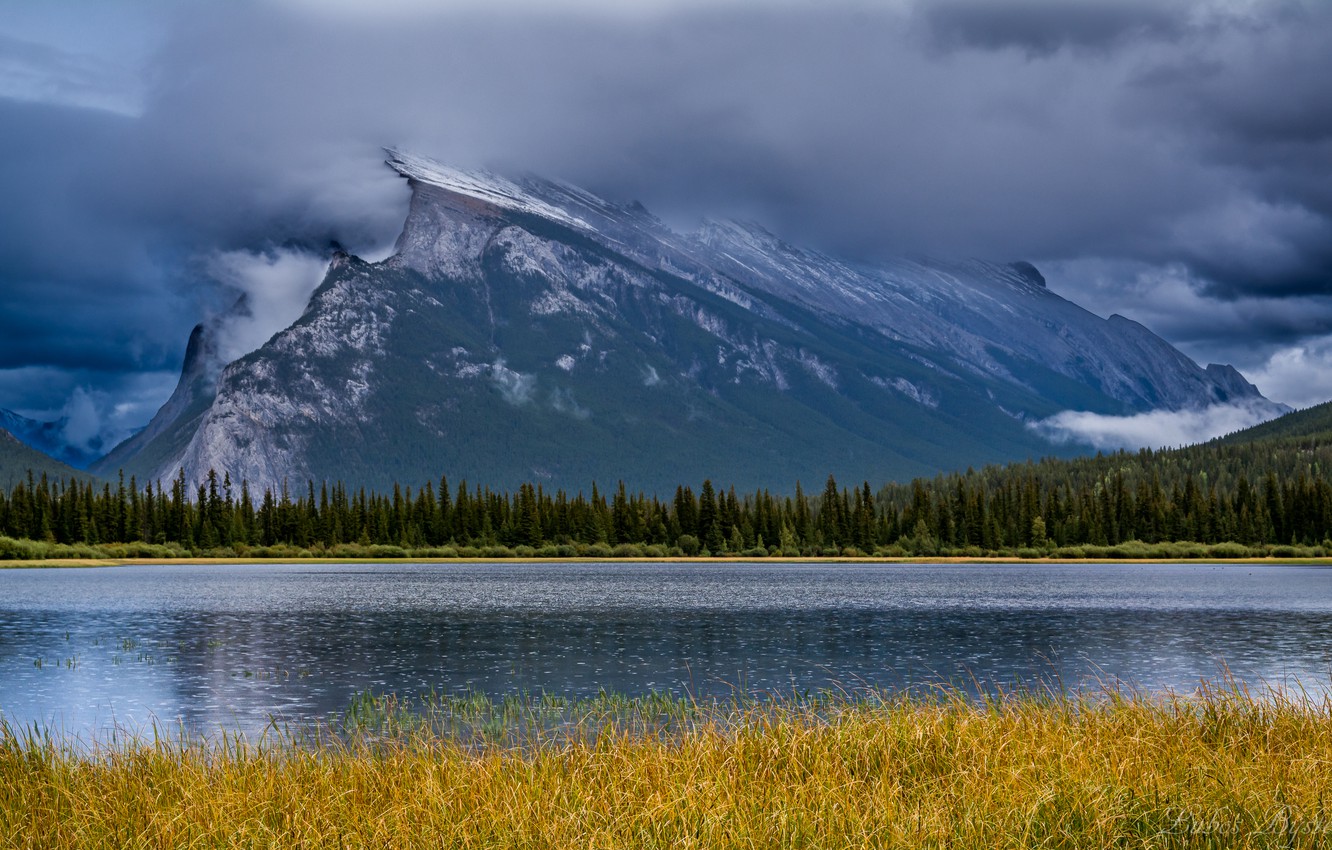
(1220, 769)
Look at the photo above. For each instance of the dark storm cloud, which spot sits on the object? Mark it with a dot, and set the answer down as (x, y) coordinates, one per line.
(76, 279)
(834, 126)
(1159, 135)
(1044, 26)
(1256, 108)
(1174, 302)
(846, 125)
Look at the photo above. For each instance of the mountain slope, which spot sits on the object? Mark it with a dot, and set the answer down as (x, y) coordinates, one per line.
(49, 439)
(1264, 485)
(527, 330)
(993, 319)
(170, 431)
(1314, 421)
(17, 459)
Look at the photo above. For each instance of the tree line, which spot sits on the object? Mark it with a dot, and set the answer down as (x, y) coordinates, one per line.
(1267, 493)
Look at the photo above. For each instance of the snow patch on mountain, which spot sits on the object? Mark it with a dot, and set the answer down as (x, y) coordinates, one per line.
(918, 393)
(816, 367)
(480, 185)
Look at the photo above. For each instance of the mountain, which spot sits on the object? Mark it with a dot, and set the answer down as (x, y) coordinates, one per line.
(525, 329)
(18, 458)
(49, 439)
(166, 436)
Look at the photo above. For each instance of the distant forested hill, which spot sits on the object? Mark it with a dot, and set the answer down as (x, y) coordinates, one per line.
(1264, 485)
(1311, 422)
(16, 459)
(1262, 492)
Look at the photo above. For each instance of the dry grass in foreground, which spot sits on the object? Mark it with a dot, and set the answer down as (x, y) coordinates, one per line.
(1221, 769)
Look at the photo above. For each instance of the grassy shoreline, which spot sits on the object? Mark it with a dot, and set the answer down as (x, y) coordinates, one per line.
(26, 550)
(1222, 768)
(779, 559)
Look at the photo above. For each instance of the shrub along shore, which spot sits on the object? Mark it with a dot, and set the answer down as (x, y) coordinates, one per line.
(1221, 768)
(34, 551)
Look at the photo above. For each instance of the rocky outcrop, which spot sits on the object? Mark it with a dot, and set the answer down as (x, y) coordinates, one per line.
(152, 450)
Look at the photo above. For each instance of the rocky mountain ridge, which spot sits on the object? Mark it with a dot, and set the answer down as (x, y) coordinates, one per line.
(49, 437)
(524, 329)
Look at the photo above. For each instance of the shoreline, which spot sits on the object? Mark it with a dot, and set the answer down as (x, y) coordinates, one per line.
(964, 561)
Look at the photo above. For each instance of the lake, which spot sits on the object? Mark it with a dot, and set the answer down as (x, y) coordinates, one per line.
(84, 651)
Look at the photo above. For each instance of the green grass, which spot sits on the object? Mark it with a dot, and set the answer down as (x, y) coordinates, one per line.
(1223, 768)
(14, 552)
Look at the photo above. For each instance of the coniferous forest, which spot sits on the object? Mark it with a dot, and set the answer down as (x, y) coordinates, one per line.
(1228, 498)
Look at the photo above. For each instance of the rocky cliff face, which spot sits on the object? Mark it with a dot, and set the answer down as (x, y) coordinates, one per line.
(527, 330)
(163, 439)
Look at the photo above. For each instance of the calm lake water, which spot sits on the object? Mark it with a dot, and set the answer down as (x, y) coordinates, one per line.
(210, 647)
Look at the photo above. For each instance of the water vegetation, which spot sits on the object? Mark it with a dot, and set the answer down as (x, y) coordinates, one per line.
(1219, 768)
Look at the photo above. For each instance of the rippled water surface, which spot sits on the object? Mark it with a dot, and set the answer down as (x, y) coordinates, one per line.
(209, 647)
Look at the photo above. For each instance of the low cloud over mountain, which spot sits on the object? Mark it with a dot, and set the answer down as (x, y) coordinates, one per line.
(1125, 142)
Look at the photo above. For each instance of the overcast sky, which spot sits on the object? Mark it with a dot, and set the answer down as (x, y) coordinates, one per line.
(1169, 161)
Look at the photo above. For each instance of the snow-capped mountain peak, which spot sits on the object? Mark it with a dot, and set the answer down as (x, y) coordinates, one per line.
(527, 329)
(477, 184)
